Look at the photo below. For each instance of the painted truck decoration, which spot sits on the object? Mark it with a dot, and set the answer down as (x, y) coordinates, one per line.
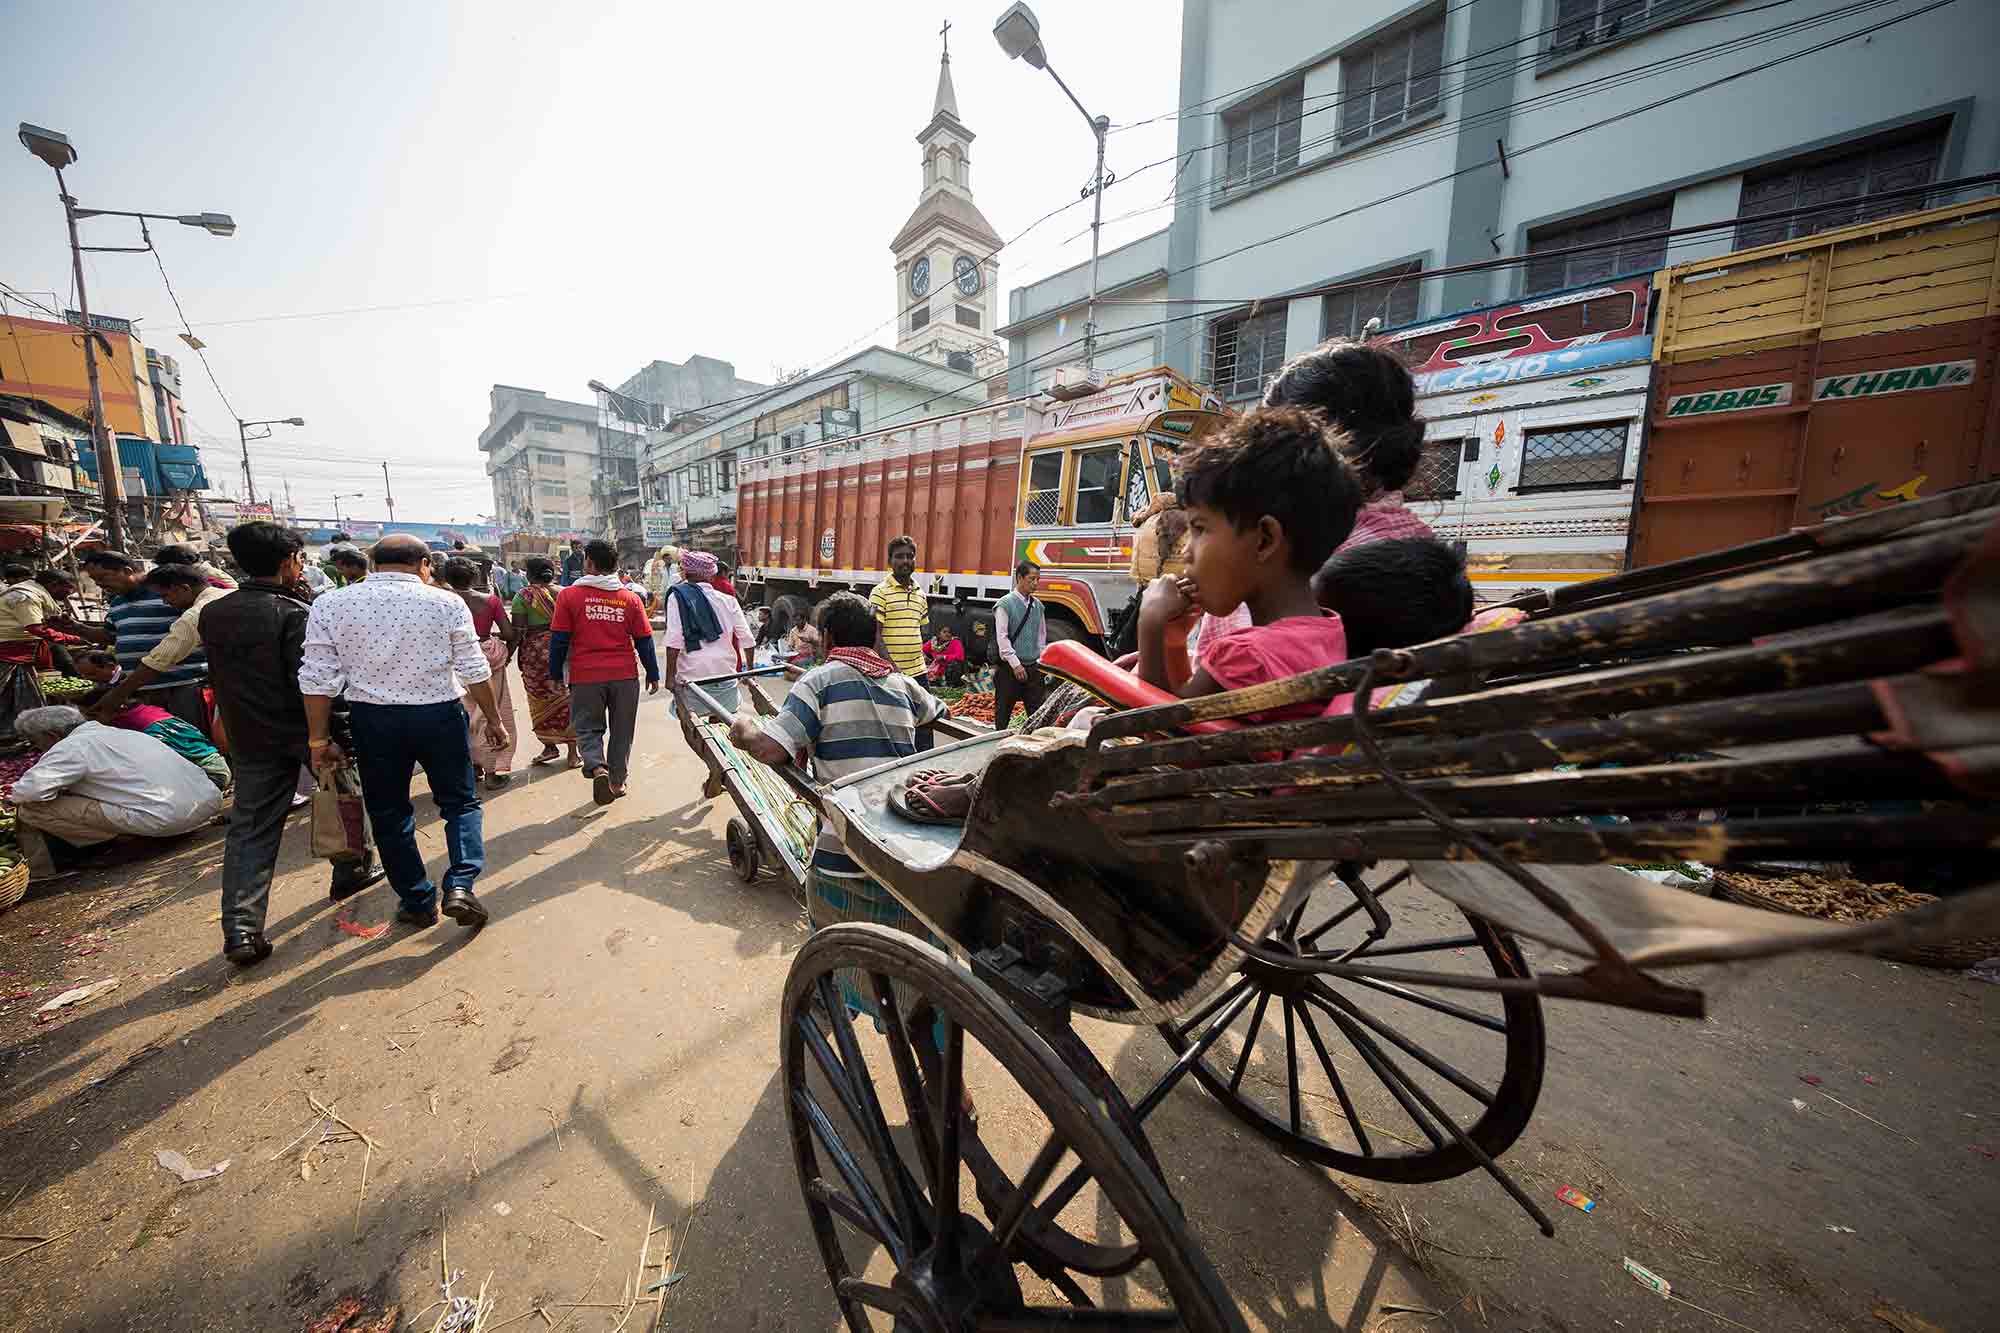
(1036, 479)
(1821, 378)
(1534, 413)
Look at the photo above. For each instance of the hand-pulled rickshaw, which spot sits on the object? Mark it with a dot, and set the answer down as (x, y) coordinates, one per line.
(1254, 890)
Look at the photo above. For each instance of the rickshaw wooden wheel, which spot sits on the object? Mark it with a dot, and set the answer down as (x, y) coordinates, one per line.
(745, 857)
(891, 1198)
(1314, 1028)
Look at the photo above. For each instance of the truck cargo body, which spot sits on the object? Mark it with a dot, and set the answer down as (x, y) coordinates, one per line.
(820, 518)
(1534, 420)
(1822, 377)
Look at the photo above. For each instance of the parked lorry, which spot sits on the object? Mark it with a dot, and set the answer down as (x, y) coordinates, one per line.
(1534, 419)
(1041, 479)
(1823, 376)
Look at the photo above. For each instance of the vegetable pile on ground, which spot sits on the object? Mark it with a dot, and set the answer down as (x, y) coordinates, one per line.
(974, 705)
(1829, 897)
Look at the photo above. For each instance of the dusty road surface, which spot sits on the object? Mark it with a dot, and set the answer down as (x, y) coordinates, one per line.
(606, 1051)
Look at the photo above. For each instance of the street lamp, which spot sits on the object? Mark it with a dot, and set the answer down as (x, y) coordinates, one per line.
(243, 437)
(1020, 37)
(56, 151)
(344, 495)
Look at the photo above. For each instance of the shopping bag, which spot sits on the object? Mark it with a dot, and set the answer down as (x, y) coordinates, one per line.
(20, 690)
(339, 821)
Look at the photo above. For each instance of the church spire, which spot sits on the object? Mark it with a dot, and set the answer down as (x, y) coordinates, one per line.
(947, 98)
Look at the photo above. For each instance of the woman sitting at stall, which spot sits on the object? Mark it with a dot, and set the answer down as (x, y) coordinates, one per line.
(946, 656)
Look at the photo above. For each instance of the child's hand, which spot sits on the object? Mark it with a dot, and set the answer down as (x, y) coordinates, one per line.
(1167, 598)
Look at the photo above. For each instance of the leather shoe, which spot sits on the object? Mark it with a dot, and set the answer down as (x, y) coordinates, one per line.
(350, 879)
(419, 919)
(462, 907)
(245, 950)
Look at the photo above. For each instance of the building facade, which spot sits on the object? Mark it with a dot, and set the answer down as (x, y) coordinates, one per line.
(543, 455)
(1384, 140)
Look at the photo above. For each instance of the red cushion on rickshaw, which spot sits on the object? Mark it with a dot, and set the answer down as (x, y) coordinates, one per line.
(1073, 661)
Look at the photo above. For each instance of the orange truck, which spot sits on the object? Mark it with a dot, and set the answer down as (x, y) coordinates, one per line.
(1820, 377)
(1041, 479)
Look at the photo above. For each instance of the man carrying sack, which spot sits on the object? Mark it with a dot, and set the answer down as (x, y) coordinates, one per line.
(255, 638)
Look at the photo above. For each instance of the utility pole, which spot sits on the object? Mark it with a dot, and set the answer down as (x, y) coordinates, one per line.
(386, 495)
(288, 495)
(110, 476)
(249, 485)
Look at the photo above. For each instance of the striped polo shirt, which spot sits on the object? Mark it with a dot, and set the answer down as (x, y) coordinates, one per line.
(901, 612)
(843, 722)
(141, 620)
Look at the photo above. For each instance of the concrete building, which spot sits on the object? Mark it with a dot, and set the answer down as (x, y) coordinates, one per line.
(1385, 139)
(1045, 319)
(543, 456)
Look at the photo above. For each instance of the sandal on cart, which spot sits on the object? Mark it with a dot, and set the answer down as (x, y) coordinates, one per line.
(933, 802)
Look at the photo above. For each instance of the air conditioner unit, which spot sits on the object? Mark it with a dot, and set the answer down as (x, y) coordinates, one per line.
(1074, 381)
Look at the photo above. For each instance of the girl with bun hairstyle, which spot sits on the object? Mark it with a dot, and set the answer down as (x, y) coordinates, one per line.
(1368, 394)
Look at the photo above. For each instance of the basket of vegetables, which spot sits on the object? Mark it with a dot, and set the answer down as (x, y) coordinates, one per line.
(60, 689)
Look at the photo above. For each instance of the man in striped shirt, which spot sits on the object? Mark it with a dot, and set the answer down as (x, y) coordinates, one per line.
(901, 609)
(850, 713)
(137, 620)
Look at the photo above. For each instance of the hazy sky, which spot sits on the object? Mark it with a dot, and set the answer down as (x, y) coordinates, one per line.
(561, 192)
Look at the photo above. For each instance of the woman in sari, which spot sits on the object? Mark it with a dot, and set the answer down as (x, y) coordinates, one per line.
(548, 700)
(492, 757)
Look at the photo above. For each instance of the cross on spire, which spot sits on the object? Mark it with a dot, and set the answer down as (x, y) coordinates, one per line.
(945, 34)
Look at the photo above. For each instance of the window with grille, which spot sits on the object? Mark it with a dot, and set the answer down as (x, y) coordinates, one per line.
(727, 463)
(1044, 506)
(553, 488)
(1571, 458)
(1616, 244)
(547, 459)
(551, 519)
(549, 427)
(1584, 23)
(1096, 485)
(1345, 314)
(1245, 351)
(967, 315)
(1837, 188)
(1262, 139)
(919, 317)
(1390, 82)
(1436, 477)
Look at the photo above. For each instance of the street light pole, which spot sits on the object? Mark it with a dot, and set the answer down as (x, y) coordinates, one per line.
(1020, 36)
(243, 435)
(386, 495)
(110, 474)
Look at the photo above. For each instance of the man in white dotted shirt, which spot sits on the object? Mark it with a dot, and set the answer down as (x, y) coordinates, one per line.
(393, 645)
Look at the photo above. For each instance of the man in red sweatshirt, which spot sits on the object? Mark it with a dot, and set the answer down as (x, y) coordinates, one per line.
(597, 627)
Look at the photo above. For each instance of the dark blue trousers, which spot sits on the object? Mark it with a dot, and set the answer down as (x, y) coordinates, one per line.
(391, 742)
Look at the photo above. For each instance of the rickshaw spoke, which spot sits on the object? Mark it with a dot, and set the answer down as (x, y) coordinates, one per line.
(1436, 1065)
(1010, 1218)
(1249, 1041)
(1292, 1064)
(950, 1116)
(845, 1208)
(851, 1172)
(1333, 1077)
(1190, 1057)
(868, 1115)
(1388, 1068)
(915, 1105)
(1378, 1064)
(1195, 1020)
(1418, 998)
(1291, 926)
(1059, 1319)
(872, 1296)
(1071, 1292)
(1421, 946)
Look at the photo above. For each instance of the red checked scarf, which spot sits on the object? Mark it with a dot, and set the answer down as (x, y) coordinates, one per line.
(865, 660)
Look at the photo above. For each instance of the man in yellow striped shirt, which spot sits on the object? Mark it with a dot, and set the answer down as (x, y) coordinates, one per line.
(901, 609)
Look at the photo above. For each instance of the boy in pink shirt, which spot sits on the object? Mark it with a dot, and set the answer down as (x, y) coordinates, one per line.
(1268, 500)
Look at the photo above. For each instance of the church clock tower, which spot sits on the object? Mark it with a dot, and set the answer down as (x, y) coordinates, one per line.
(947, 289)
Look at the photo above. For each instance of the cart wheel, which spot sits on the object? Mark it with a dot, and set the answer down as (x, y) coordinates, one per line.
(1356, 1074)
(883, 1175)
(745, 856)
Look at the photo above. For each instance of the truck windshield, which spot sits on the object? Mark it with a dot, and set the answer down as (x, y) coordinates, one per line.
(1097, 485)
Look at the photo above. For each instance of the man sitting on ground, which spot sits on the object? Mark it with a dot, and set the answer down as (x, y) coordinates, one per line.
(94, 783)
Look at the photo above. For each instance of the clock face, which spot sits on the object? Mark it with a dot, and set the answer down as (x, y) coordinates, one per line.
(966, 274)
(920, 276)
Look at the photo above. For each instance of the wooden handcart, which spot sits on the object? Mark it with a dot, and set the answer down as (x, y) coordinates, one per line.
(1253, 890)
